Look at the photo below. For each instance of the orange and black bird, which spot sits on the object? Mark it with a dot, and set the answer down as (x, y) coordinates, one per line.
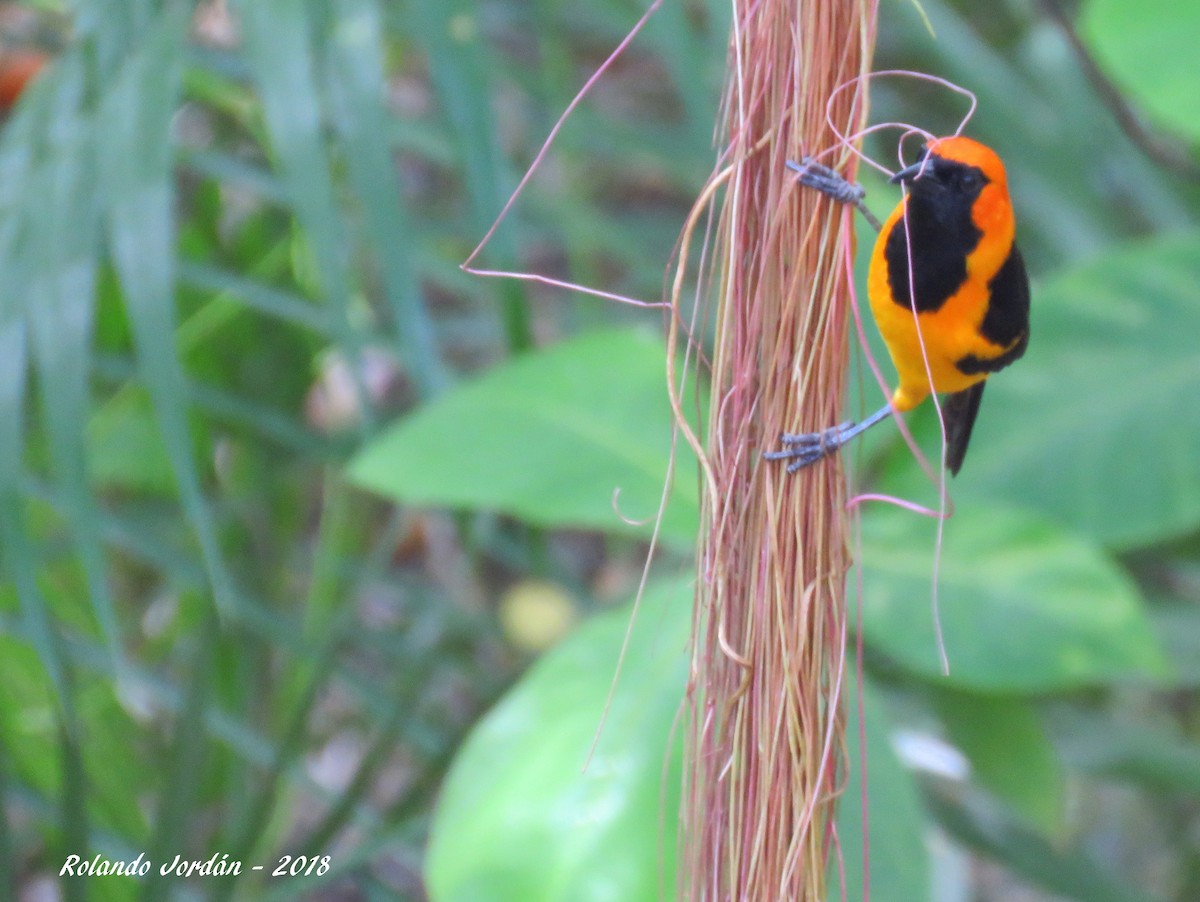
(947, 287)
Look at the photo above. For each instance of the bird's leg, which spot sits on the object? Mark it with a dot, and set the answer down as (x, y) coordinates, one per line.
(821, 178)
(809, 447)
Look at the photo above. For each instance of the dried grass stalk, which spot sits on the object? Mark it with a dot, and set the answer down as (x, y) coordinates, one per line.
(765, 749)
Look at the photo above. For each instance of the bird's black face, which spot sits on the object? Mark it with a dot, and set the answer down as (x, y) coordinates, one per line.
(937, 229)
(932, 176)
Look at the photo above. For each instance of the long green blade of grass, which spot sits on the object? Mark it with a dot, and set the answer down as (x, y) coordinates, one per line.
(251, 833)
(266, 299)
(278, 38)
(61, 221)
(135, 161)
(355, 76)
(458, 66)
(184, 761)
(8, 856)
(73, 811)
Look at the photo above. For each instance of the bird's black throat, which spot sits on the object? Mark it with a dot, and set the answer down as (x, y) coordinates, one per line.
(938, 219)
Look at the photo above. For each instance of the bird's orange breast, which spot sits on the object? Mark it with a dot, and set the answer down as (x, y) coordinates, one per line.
(926, 347)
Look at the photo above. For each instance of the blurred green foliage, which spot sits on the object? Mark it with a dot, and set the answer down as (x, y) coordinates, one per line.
(229, 250)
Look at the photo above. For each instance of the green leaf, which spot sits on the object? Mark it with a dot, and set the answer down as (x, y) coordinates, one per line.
(1024, 606)
(62, 218)
(548, 437)
(28, 710)
(1009, 752)
(521, 820)
(1093, 427)
(279, 47)
(125, 447)
(1150, 49)
(461, 71)
(135, 162)
(357, 86)
(899, 860)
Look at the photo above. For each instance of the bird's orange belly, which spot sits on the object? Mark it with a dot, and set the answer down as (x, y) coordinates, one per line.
(926, 348)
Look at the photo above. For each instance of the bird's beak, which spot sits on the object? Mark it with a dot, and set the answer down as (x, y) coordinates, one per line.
(907, 175)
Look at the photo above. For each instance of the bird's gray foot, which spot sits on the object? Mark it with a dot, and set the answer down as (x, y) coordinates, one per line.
(802, 449)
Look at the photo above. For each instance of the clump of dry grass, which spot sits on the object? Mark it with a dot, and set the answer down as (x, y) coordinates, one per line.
(765, 748)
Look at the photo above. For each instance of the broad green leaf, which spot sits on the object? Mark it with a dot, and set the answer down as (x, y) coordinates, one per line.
(899, 859)
(549, 437)
(1009, 752)
(1095, 426)
(520, 820)
(1024, 606)
(1150, 49)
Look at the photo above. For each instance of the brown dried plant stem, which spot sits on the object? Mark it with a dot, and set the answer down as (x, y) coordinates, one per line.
(766, 745)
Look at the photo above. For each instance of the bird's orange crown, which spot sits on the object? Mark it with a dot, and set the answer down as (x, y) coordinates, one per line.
(972, 153)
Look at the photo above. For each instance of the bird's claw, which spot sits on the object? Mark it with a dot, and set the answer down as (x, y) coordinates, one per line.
(821, 178)
(805, 448)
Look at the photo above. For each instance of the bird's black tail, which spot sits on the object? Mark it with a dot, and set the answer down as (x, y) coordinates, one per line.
(959, 411)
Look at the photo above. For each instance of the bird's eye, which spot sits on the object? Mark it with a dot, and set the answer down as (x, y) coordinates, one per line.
(971, 178)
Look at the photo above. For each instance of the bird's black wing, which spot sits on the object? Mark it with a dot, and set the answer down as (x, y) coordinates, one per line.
(1006, 322)
(958, 412)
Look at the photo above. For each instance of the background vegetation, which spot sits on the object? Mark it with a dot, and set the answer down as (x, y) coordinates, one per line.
(287, 501)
